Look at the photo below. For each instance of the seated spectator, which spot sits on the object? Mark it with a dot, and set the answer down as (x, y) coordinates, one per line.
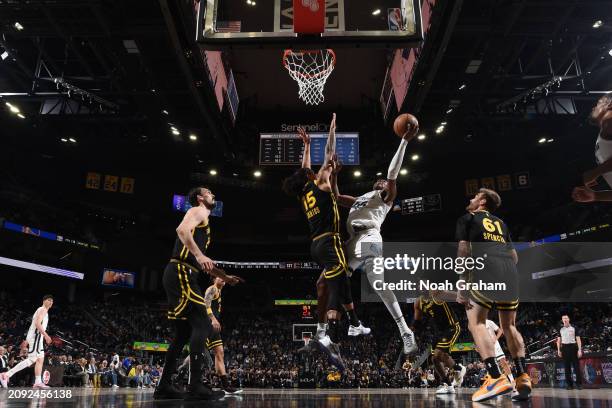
(92, 372)
(134, 376)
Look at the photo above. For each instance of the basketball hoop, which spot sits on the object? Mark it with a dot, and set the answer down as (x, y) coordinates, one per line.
(310, 69)
(306, 338)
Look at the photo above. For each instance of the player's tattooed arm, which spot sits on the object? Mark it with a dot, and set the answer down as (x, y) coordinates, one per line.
(208, 298)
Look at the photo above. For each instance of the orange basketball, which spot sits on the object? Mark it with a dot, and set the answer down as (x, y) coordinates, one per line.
(404, 123)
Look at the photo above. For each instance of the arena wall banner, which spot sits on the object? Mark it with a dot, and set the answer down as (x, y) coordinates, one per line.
(148, 346)
(596, 372)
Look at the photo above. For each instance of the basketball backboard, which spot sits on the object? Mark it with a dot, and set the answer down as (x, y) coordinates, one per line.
(223, 24)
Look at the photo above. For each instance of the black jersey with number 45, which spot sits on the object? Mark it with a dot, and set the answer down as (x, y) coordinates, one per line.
(487, 233)
(320, 209)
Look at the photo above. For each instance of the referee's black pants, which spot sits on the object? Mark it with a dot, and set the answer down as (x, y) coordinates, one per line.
(569, 353)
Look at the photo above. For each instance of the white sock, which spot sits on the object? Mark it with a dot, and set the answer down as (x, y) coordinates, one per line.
(38, 379)
(24, 364)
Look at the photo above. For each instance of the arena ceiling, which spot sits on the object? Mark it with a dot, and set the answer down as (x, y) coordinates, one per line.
(137, 60)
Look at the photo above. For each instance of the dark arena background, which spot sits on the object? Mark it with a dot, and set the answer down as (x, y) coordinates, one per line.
(112, 111)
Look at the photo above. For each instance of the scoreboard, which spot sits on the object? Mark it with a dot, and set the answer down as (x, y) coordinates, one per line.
(287, 148)
(422, 204)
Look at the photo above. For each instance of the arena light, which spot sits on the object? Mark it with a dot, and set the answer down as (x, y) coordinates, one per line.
(376, 12)
(403, 172)
(12, 108)
(165, 112)
(422, 136)
(415, 157)
(550, 140)
(439, 129)
(443, 124)
(462, 87)
(449, 111)
(379, 173)
(4, 55)
(356, 173)
(257, 173)
(64, 140)
(213, 172)
(610, 52)
(542, 140)
(597, 24)
(72, 140)
(18, 26)
(175, 131)
(21, 115)
(193, 137)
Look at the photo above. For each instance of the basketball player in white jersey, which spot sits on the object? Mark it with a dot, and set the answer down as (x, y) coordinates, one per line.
(601, 115)
(496, 332)
(367, 213)
(36, 352)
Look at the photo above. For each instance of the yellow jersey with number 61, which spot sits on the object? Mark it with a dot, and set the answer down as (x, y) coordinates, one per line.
(487, 233)
(320, 209)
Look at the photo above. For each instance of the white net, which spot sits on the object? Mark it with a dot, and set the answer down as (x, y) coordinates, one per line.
(310, 69)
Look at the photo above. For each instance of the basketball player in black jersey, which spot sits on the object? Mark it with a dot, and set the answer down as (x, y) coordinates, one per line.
(319, 205)
(212, 298)
(483, 235)
(601, 116)
(446, 328)
(186, 306)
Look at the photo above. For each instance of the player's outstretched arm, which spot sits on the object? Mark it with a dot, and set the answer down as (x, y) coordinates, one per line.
(394, 169)
(306, 139)
(343, 200)
(330, 146)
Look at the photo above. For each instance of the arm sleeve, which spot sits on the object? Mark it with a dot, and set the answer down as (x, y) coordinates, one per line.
(462, 232)
(396, 162)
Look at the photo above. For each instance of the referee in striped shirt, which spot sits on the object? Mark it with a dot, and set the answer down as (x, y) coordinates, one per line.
(569, 348)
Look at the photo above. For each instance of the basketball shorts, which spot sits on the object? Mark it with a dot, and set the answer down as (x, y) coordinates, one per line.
(501, 271)
(362, 246)
(180, 282)
(214, 340)
(446, 336)
(327, 251)
(36, 348)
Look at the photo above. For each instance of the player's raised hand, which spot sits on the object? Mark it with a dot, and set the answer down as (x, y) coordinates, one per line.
(332, 125)
(303, 135)
(412, 128)
(583, 195)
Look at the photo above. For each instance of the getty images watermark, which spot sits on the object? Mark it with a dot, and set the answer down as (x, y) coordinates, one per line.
(422, 264)
(545, 272)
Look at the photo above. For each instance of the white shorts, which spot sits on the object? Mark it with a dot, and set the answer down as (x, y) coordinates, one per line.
(364, 245)
(36, 347)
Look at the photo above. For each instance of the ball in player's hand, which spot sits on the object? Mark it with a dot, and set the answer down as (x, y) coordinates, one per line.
(406, 126)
